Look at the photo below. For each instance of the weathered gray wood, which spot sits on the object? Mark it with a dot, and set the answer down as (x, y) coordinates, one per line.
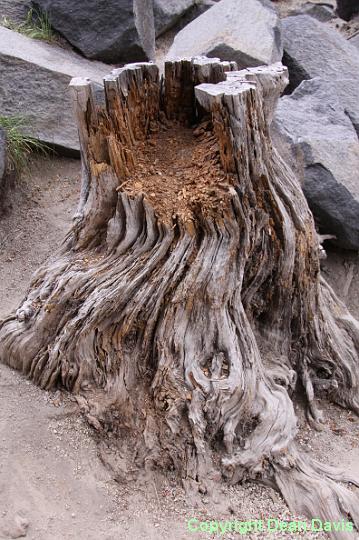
(180, 79)
(191, 333)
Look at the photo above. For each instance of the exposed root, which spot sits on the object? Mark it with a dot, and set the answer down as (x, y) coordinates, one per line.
(307, 485)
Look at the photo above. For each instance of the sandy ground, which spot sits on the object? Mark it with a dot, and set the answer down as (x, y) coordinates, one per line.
(53, 483)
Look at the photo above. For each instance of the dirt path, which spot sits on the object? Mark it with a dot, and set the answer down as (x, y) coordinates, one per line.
(43, 205)
(53, 484)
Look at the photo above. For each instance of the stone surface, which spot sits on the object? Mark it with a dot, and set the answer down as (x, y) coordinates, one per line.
(34, 79)
(321, 12)
(229, 30)
(312, 49)
(177, 23)
(168, 12)
(15, 10)
(313, 121)
(347, 8)
(354, 41)
(108, 30)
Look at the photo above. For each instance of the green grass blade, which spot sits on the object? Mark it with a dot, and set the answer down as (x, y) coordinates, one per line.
(19, 144)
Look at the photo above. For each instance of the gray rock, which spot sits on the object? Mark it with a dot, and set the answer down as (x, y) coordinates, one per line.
(347, 8)
(168, 12)
(177, 23)
(313, 122)
(354, 41)
(14, 10)
(321, 12)
(34, 79)
(201, 6)
(108, 30)
(312, 49)
(245, 31)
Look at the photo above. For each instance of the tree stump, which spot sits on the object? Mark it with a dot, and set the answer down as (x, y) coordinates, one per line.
(186, 304)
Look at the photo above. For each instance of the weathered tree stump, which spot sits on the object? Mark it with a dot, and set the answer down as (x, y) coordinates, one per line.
(186, 305)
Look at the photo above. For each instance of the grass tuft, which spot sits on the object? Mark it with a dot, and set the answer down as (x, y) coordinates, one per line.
(36, 26)
(19, 145)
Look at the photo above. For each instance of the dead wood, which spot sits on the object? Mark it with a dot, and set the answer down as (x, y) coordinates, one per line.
(186, 305)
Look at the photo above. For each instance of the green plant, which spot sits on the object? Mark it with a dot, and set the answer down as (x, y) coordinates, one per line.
(36, 26)
(19, 144)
